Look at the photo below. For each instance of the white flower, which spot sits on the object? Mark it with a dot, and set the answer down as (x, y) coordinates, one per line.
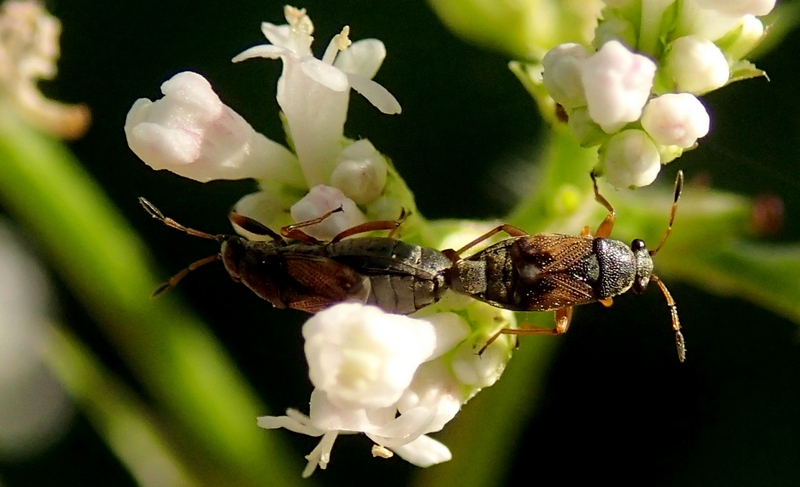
(314, 94)
(360, 172)
(28, 52)
(696, 65)
(631, 159)
(617, 83)
(192, 133)
(675, 119)
(749, 35)
(363, 357)
(382, 375)
(321, 199)
(562, 74)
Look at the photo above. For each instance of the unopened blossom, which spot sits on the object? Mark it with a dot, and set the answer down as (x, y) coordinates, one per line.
(562, 74)
(631, 159)
(29, 50)
(314, 93)
(386, 376)
(192, 133)
(676, 119)
(696, 65)
(617, 84)
(746, 36)
(321, 199)
(360, 172)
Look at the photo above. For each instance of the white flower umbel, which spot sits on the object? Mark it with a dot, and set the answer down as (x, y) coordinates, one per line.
(192, 133)
(696, 65)
(320, 200)
(313, 94)
(28, 52)
(631, 159)
(383, 375)
(617, 84)
(676, 119)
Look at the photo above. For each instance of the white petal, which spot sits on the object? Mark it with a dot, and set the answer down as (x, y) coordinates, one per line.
(325, 415)
(424, 452)
(276, 34)
(562, 74)
(404, 429)
(324, 74)
(291, 424)
(263, 51)
(375, 94)
(697, 65)
(675, 119)
(363, 58)
(451, 329)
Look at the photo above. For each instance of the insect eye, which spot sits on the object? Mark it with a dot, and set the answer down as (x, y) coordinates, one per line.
(638, 245)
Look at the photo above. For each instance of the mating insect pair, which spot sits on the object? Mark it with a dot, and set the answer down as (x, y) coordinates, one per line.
(543, 272)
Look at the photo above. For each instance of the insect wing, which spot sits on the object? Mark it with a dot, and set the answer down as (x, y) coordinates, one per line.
(552, 270)
(323, 282)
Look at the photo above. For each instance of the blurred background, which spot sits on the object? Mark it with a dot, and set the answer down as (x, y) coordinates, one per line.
(614, 403)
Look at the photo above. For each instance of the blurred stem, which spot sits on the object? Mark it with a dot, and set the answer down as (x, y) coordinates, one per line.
(117, 414)
(174, 355)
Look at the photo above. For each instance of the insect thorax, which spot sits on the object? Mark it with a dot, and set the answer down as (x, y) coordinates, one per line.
(618, 267)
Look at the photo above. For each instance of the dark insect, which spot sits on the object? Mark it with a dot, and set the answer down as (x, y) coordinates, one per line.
(294, 270)
(555, 272)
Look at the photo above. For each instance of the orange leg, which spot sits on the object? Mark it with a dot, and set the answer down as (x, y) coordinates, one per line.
(604, 230)
(563, 318)
(509, 229)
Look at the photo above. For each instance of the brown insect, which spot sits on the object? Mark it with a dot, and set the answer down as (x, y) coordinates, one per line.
(555, 272)
(294, 270)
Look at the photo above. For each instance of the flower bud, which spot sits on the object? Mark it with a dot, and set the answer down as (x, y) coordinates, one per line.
(562, 74)
(193, 134)
(675, 119)
(320, 200)
(631, 159)
(617, 83)
(743, 39)
(696, 65)
(360, 172)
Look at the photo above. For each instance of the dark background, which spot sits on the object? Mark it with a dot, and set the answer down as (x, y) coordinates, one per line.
(617, 405)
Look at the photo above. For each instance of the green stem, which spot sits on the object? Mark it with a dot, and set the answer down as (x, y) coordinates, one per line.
(173, 354)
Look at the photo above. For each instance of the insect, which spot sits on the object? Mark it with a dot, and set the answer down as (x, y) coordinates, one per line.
(555, 272)
(294, 270)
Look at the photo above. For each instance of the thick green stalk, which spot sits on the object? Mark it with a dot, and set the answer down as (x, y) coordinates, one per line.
(174, 355)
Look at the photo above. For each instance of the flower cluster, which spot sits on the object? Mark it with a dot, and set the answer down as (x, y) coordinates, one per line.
(635, 93)
(393, 378)
(191, 132)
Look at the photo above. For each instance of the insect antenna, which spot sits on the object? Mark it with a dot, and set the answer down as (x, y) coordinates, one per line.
(678, 189)
(177, 277)
(680, 343)
(151, 210)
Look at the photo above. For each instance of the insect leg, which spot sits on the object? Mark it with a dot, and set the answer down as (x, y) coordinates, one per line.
(371, 227)
(253, 226)
(151, 210)
(680, 343)
(294, 232)
(509, 229)
(604, 230)
(177, 277)
(563, 317)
